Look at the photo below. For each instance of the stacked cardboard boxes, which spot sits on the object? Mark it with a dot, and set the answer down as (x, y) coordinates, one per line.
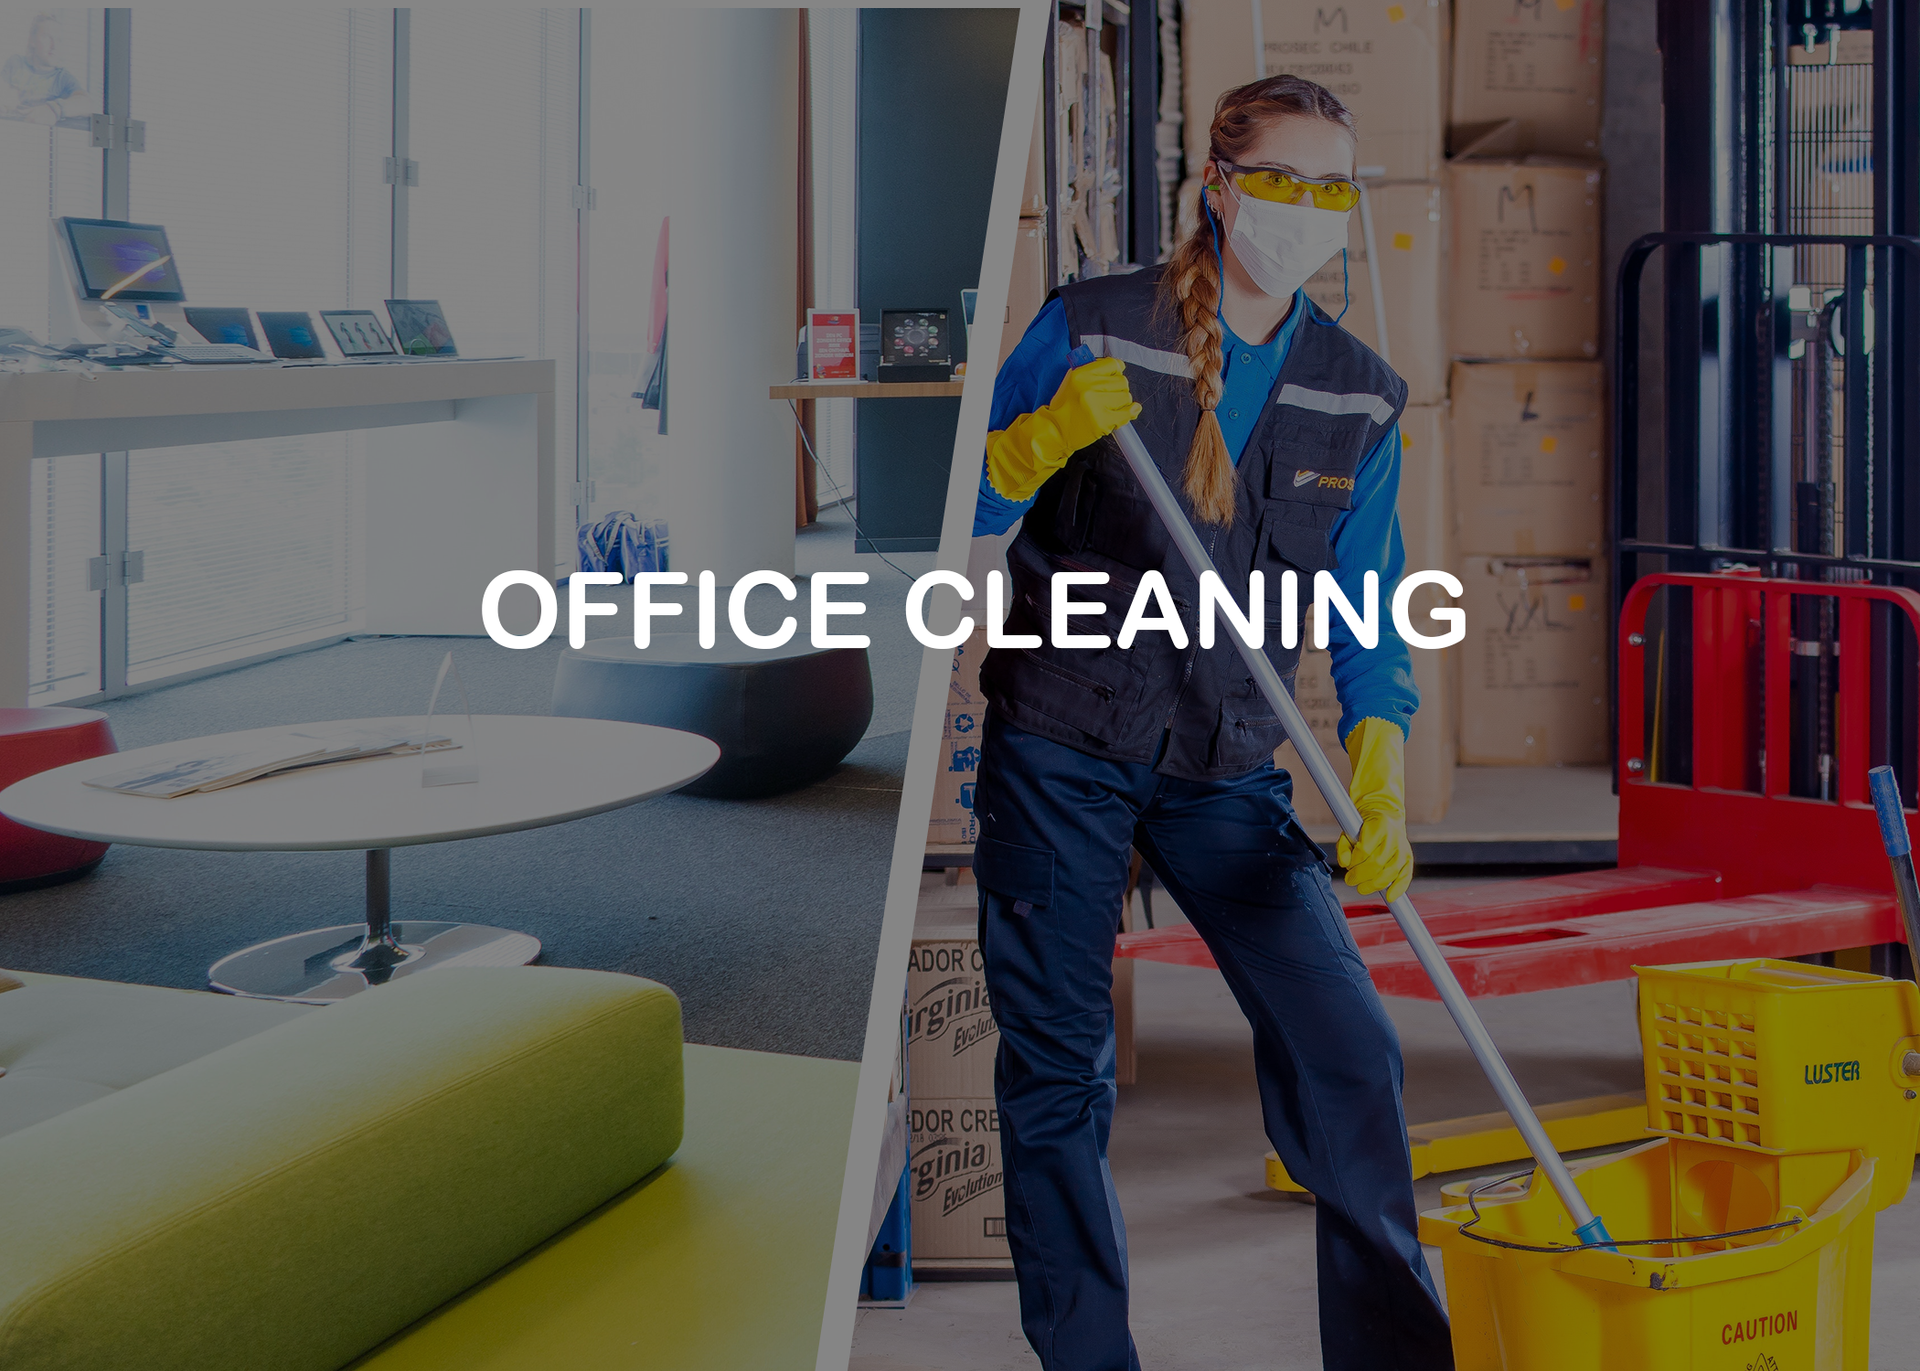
(953, 1158)
(1527, 388)
(959, 1208)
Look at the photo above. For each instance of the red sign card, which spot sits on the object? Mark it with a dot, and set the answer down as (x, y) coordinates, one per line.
(833, 345)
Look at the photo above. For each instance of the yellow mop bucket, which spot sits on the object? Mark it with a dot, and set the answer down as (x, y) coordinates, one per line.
(1786, 1298)
(1778, 1085)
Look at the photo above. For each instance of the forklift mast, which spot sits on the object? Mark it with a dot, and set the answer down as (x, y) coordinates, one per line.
(1789, 312)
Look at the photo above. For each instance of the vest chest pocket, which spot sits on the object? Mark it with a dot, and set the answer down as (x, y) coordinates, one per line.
(1314, 462)
(1300, 535)
(1310, 479)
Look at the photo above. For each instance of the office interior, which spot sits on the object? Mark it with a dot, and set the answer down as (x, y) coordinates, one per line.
(200, 545)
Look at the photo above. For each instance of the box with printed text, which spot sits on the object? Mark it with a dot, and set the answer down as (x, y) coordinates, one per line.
(956, 1183)
(951, 1035)
(1538, 65)
(1529, 444)
(1525, 279)
(1533, 669)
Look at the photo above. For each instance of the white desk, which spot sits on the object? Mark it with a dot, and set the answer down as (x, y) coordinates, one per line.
(460, 468)
(533, 771)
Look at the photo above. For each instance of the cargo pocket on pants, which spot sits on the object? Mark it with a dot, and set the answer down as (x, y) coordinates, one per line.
(1019, 940)
(1023, 874)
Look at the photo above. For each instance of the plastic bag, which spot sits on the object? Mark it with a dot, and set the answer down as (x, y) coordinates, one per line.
(621, 542)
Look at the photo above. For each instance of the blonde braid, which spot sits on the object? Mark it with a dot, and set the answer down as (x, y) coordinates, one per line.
(1193, 277)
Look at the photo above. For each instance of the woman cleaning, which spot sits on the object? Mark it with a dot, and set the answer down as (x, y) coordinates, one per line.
(1280, 433)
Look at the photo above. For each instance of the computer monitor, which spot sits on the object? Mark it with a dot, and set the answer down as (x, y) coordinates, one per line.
(115, 260)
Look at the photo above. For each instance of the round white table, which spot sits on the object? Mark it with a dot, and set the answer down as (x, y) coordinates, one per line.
(533, 771)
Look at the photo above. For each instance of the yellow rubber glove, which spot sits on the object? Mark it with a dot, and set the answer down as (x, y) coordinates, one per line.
(1092, 402)
(1383, 858)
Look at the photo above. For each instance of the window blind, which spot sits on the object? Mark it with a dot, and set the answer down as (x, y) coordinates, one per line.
(267, 173)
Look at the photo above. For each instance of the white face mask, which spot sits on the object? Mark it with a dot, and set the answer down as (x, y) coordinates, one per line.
(1282, 245)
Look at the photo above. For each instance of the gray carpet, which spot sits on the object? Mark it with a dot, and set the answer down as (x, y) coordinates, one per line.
(763, 915)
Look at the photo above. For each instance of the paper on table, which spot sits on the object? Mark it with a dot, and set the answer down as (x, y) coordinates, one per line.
(180, 775)
(186, 772)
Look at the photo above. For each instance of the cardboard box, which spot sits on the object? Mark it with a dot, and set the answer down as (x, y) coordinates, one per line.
(1533, 669)
(1027, 288)
(1426, 490)
(1386, 63)
(1410, 229)
(955, 1178)
(1525, 281)
(958, 762)
(1430, 749)
(1538, 64)
(1528, 439)
(951, 1036)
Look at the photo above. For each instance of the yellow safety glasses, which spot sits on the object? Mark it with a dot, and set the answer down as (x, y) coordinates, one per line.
(1283, 187)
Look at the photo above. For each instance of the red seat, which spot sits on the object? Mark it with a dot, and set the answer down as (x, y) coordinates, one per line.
(32, 741)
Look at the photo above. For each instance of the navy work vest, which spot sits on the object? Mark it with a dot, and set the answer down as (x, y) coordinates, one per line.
(1333, 402)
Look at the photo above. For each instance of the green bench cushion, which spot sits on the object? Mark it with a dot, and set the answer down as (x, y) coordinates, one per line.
(716, 1262)
(294, 1198)
(67, 1042)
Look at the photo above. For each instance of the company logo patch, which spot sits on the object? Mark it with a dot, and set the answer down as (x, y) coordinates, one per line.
(1303, 478)
(1336, 483)
(1829, 1073)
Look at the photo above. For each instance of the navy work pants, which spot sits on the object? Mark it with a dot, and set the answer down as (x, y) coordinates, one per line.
(1051, 861)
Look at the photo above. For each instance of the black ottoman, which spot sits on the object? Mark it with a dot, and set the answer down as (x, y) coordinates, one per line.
(783, 718)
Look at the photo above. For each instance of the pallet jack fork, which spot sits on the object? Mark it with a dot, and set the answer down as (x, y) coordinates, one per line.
(1725, 863)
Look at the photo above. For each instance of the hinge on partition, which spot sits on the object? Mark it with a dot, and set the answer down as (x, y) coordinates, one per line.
(118, 131)
(586, 197)
(133, 569)
(399, 171)
(583, 494)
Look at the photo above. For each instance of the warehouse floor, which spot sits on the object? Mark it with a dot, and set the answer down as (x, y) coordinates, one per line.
(1223, 1274)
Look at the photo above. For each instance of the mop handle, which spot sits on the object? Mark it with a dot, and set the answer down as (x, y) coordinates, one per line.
(1586, 1226)
(1893, 834)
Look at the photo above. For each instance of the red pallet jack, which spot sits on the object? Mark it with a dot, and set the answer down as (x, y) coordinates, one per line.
(1723, 866)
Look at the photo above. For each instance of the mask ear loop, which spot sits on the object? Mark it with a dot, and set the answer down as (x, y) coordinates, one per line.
(1219, 263)
(1346, 296)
